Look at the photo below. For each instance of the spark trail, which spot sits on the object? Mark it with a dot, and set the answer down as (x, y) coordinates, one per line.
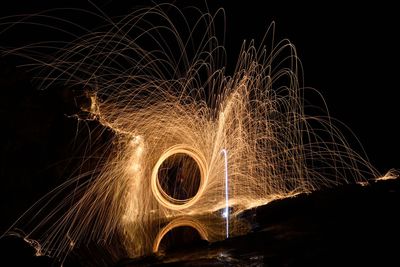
(164, 91)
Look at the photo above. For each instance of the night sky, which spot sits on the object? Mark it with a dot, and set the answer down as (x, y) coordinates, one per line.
(349, 54)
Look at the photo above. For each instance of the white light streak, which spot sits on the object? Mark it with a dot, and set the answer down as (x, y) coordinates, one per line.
(225, 214)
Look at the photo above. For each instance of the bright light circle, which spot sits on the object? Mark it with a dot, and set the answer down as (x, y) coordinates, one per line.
(162, 197)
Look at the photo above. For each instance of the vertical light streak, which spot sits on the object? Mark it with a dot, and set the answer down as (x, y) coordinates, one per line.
(226, 212)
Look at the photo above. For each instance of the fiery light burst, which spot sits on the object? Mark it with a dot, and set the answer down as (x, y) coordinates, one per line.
(164, 91)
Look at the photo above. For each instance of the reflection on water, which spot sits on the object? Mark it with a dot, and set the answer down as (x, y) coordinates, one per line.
(159, 236)
(180, 231)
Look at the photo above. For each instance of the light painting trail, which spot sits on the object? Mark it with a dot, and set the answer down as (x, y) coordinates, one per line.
(226, 212)
(164, 92)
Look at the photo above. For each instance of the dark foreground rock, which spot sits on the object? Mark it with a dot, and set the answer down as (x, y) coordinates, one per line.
(350, 224)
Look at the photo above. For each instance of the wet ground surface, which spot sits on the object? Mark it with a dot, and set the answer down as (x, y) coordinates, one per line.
(352, 224)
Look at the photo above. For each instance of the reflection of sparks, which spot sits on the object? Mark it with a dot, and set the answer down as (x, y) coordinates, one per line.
(158, 102)
(190, 222)
(226, 212)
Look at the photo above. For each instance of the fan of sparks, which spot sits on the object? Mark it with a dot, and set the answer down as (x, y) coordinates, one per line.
(161, 85)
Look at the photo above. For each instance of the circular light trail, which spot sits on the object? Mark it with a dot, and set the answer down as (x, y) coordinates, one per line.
(159, 191)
